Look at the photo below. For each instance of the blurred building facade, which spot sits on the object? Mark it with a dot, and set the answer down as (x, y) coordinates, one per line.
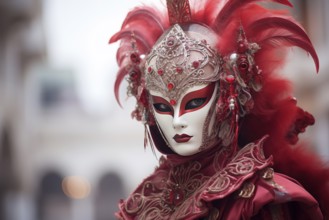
(57, 161)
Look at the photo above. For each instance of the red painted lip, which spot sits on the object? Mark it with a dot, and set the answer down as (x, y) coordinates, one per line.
(182, 138)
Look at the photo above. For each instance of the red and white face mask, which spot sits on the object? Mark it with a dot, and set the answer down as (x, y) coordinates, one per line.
(188, 124)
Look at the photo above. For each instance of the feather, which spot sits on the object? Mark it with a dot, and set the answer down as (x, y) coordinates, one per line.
(144, 24)
(293, 41)
(120, 76)
(144, 14)
(231, 7)
(122, 52)
(266, 23)
(274, 30)
(204, 11)
(139, 37)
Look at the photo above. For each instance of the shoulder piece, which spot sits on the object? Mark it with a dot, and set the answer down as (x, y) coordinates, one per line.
(273, 191)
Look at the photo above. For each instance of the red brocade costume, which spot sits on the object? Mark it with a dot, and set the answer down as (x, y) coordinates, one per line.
(215, 186)
(252, 171)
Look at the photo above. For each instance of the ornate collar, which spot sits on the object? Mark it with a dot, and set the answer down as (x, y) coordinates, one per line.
(183, 191)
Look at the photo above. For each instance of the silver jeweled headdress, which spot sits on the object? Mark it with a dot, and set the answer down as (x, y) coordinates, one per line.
(179, 62)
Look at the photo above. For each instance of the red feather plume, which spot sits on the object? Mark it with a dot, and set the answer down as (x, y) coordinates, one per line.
(139, 31)
(147, 15)
(286, 32)
(231, 7)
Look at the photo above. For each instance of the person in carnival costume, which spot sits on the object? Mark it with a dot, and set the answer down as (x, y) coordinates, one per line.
(205, 77)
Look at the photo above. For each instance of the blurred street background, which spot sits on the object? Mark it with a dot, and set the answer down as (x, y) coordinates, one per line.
(67, 150)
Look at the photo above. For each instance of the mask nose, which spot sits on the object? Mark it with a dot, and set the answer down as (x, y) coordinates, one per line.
(179, 121)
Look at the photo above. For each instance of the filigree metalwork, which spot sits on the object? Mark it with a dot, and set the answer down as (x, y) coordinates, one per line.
(179, 62)
(178, 11)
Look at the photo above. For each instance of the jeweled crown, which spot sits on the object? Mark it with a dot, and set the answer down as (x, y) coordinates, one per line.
(178, 62)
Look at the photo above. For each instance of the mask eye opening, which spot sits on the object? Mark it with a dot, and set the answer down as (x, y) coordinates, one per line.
(162, 106)
(195, 103)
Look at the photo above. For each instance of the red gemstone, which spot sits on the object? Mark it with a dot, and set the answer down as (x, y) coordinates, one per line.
(242, 47)
(172, 102)
(133, 75)
(134, 58)
(230, 78)
(175, 197)
(171, 41)
(243, 67)
(170, 197)
(160, 72)
(243, 64)
(196, 64)
(149, 69)
(170, 86)
(179, 69)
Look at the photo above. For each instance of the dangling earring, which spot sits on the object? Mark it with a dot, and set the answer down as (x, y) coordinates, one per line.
(227, 110)
(241, 77)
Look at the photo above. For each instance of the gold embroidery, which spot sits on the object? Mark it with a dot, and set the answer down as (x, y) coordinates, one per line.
(183, 181)
(268, 176)
(247, 191)
(244, 164)
(268, 173)
(181, 191)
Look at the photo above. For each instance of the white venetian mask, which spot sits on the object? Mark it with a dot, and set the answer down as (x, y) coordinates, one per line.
(181, 73)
